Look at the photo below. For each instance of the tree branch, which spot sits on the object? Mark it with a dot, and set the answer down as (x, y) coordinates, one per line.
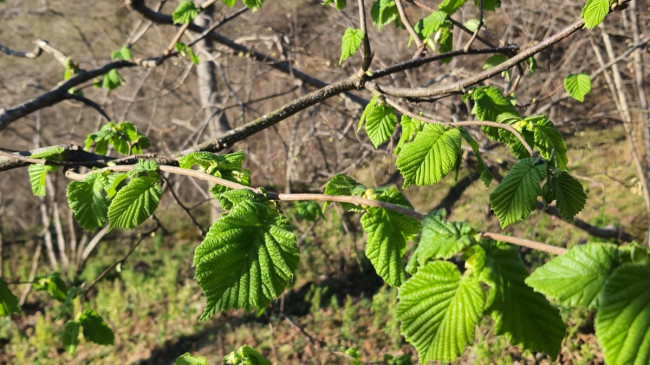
(319, 197)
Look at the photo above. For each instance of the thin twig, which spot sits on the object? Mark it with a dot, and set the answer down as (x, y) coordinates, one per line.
(367, 52)
(300, 197)
(409, 28)
(478, 28)
(120, 261)
(425, 119)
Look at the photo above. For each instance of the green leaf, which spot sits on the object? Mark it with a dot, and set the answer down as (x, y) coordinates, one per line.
(494, 60)
(384, 12)
(185, 12)
(253, 4)
(428, 26)
(484, 172)
(95, 329)
(388, 232)
(577, 277)
(438, 310)
(489, 103)
(490, 5)
(567, 192)
(410, 127)
(369, 107)
(344, 185)
(308, 210)
(53, 284)
(623, 319)
(445, 37)
(350, 43)
(450, 6)
(430, 156)
(123, 53)
(134, 203)
(549, 140)
(578, 85)
(245, 355)
(50, 154)
(185, 50)
(532, 65)
(37, 174)
(112, 80)
(189, 359)
(525, 317)
(229, 3)
(502, 135)
(516, 196)
(380, 124)
(87, 201)
(70, 336)
(247, 258)
(113, 183)
(8, 301)
(228, 166)
(338, 4)
(440, 240)
(595, 12)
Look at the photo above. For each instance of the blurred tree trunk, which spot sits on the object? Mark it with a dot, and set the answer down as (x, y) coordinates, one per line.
(208, 91)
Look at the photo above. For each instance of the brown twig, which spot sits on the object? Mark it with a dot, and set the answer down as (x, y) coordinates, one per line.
(478, 28)
(307, 196)
(425, 119)
(367, 52)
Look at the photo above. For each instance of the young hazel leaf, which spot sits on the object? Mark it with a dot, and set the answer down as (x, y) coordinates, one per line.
(445, 38)
(430, 156)
(185, 12)
(53, 285)
(577, 277)
(70, 336)
(37, 174)
(450, 6)
(490, 5)
(410, 128)
(95, 329)
(516, 196)
(229, 3)
(8, 301)
(380, 124)
(440, 240)
(245, 355)
(549, 140)
(338, 4)
(578, 85)
(189, 359)
(134, 203)
(623, 318)
(489, 102)
(253, 4)
(247, 258)
(595, 12)
(525, 317)
(438, 310)
(428, 26)
(384, 12)
(344, 185)
(494, 60)
(87, 201)
(388, 232)
(568, 193)
(112, 80)
(350, 43)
